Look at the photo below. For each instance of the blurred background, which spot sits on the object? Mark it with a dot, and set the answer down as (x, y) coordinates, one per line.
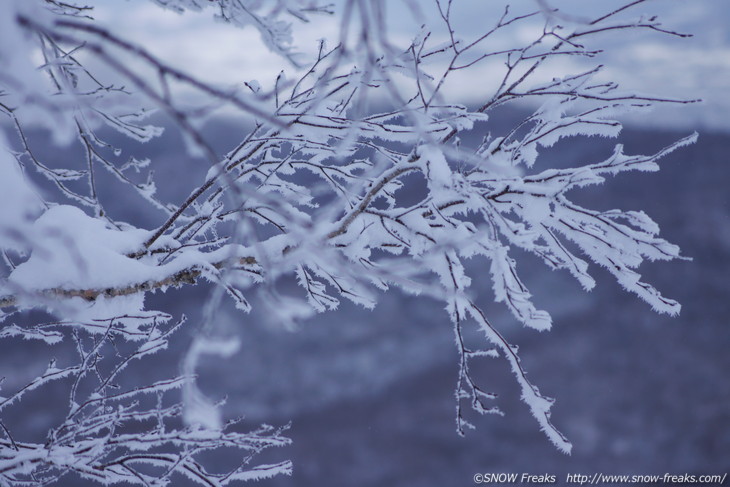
(370, 395)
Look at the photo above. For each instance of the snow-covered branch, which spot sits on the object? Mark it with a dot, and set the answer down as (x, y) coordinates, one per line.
(361, 171)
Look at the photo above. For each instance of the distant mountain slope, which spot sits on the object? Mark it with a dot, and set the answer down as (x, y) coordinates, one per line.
(371, 394)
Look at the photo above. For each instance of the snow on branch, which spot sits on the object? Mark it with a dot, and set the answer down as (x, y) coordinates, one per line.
(360, 171)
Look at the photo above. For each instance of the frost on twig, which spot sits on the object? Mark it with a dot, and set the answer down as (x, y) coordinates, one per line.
(359, 174)
(111, 433)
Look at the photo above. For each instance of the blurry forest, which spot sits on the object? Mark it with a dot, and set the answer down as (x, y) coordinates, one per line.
(370, 394)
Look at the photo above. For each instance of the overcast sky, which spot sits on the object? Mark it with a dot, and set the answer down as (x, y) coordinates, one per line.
(698, 67)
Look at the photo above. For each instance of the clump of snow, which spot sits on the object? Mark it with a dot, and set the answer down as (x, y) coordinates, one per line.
(73, 252)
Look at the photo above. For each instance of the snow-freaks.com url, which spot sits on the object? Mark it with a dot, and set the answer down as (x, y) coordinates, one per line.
(597, 479)
(600, 478)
